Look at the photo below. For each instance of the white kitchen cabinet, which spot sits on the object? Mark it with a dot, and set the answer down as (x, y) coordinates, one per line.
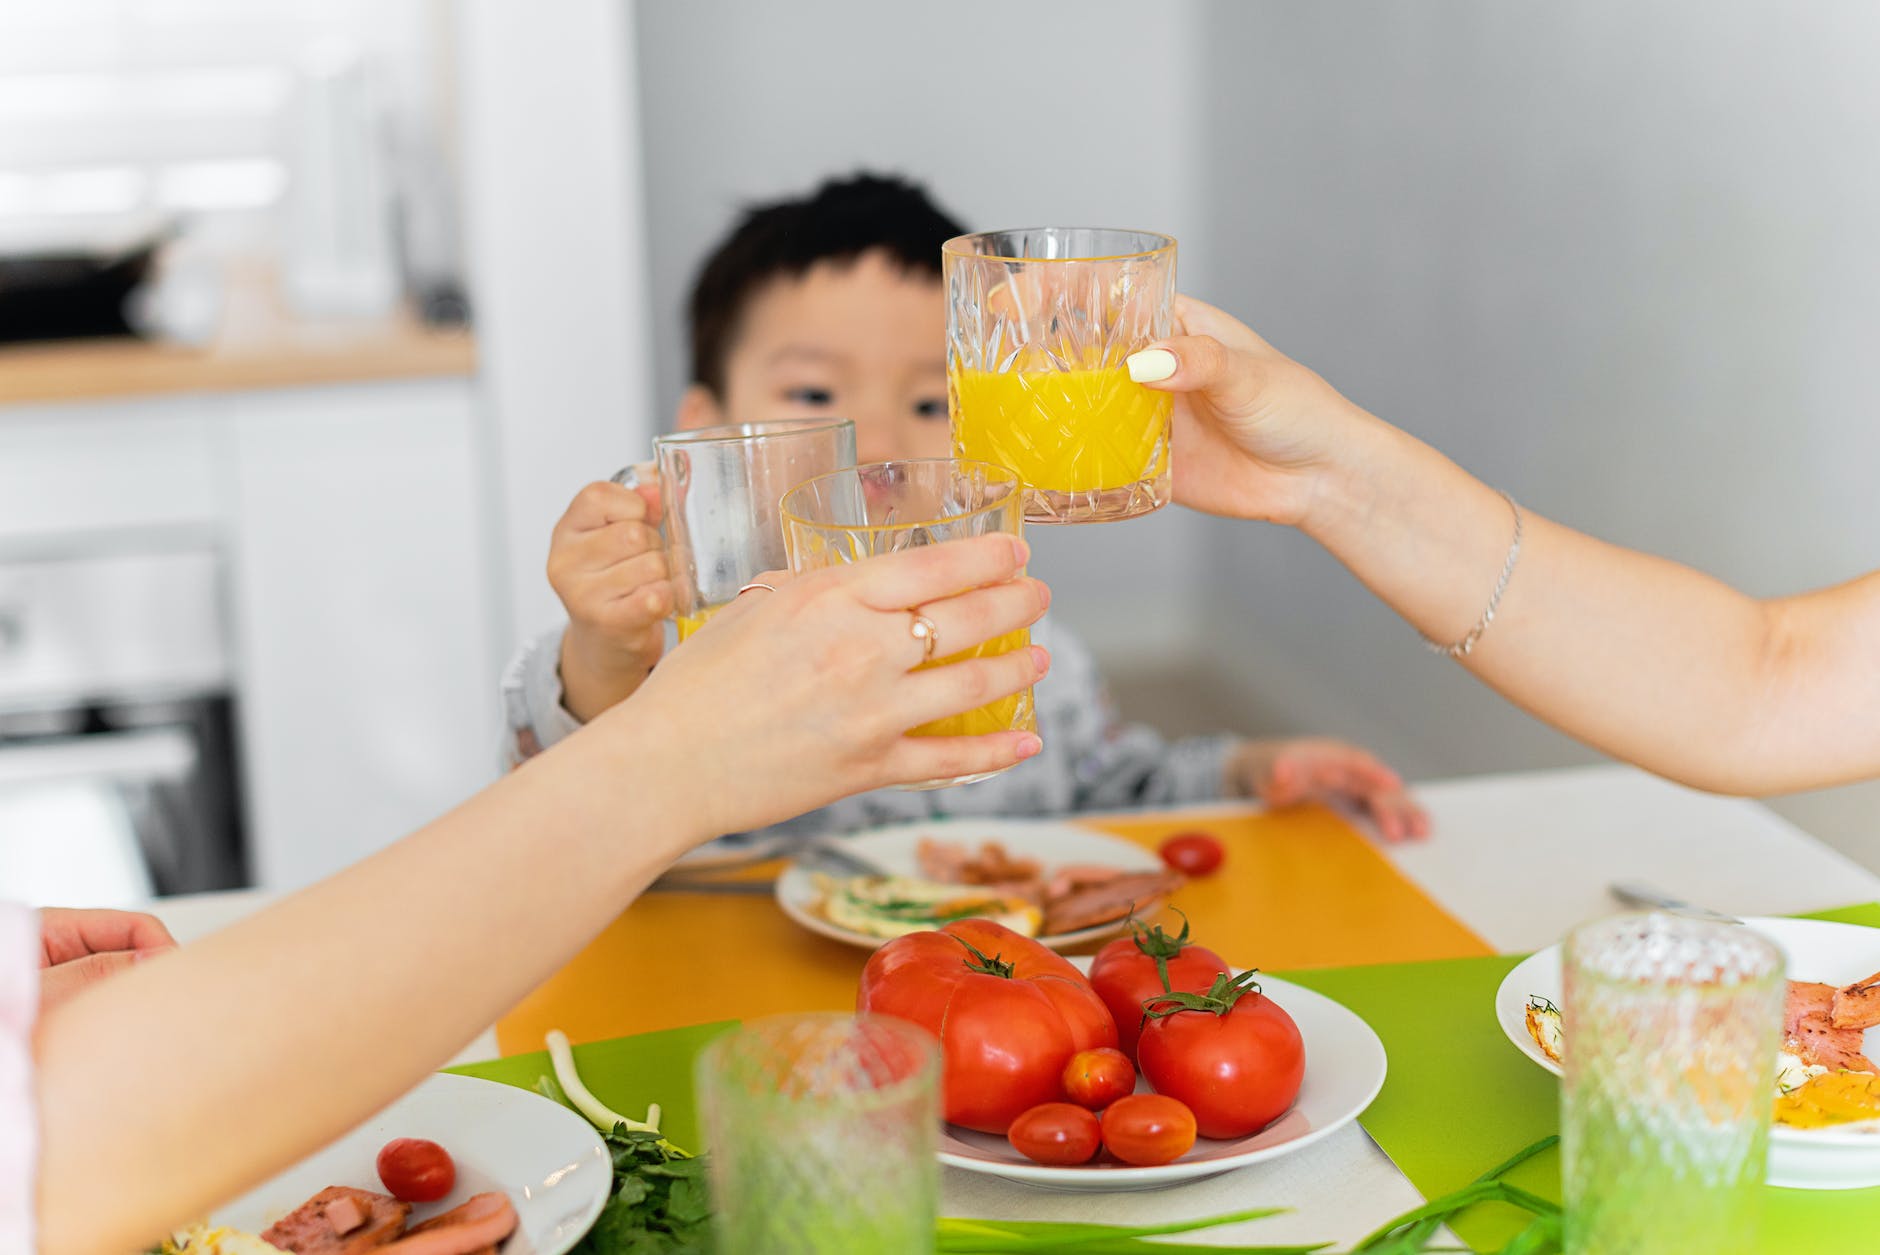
(70, 475)
(351, 536)
(359, 548)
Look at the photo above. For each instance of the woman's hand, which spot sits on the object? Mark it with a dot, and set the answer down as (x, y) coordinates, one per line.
(794, 698)
(1253, 428)
(80, 948)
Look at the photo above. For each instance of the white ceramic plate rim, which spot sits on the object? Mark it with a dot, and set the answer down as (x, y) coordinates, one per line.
(1800, 939)
(550, 1161)
(1319, 1017)
(893, 848)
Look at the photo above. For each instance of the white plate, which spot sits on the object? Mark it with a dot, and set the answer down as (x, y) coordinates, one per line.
(1344, 1072)
(892, 849)
(1838, 954)
(548, 1160)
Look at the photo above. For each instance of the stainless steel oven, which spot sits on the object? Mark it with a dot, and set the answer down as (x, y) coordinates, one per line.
(119, 777)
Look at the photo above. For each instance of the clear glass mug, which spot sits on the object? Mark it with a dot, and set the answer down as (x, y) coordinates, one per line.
(884, 507)
(1670, 1028)
(719, 487)
(1039, 322)
(822, 1135)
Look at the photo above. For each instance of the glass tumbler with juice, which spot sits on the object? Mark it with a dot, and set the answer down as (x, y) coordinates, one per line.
(1039, 323)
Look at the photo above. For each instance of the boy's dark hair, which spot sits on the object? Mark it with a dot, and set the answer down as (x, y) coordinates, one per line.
(838, 222)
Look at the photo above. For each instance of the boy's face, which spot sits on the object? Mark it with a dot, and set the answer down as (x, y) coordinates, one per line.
(864, 341)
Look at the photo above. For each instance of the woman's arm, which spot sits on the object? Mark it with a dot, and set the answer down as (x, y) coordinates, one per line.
(174, 1086)
(1640, 657)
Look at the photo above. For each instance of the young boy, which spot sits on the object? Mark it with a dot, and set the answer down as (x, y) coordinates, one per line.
(832, 305)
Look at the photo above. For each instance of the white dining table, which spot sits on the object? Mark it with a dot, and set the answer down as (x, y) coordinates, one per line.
(1520, 858)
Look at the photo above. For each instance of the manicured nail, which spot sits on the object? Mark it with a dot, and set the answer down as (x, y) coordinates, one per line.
(1041, 658)
(1021, 550)
(1044, 595)
(1151, 365)
(1028, 746)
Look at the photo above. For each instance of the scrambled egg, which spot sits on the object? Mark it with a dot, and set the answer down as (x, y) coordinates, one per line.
(891, 906)
(1830, 1098)
(206, 1239)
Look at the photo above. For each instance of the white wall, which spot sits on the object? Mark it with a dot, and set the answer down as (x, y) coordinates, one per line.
(1008, 124)
(1620, 259)
(557, 265)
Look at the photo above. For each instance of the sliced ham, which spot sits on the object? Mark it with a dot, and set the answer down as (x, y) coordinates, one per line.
(1857, 1005)
(470, 1229)
(1809, 1032)
(1104, 903)
(340, 1220)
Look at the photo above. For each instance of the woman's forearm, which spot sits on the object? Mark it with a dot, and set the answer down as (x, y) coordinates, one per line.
(1640, 657)
(540, 862)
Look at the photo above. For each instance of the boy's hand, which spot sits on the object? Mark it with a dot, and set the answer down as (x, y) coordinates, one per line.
(1303, 769)
(79, 948)
(608, 567)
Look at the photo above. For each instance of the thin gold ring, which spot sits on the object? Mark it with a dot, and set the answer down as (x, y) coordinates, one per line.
(923, 630)
(756, 584)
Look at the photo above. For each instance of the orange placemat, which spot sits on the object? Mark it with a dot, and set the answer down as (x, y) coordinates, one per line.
(1299, 888)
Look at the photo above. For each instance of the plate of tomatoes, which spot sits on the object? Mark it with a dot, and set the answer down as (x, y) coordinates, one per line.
(1153, 1063)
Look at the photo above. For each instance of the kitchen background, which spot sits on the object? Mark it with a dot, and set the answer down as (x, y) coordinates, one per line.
(421, 273)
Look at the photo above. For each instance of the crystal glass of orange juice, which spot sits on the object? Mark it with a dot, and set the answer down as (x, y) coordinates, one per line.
(1039, 322)
(719, 488)
(884, 507)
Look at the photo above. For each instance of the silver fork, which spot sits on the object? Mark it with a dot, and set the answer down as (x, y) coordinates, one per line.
(1650, 897)
(827, 855)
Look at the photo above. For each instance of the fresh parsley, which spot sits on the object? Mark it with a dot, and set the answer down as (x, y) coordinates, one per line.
(658, 1204)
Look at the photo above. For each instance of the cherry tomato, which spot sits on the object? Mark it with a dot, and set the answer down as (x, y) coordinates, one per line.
(1097, 1078)
(1059, 1133)
(415, 1170)
(1125, 973)
(1148, 1129)
(1237, 1064)
(1008, 1012)
(1194, 854)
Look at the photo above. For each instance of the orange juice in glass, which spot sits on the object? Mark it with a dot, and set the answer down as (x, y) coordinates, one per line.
(1039, 323)
(884, 507)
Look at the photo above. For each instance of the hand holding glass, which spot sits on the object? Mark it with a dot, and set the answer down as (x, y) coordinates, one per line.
(884, 507)
(720, 487)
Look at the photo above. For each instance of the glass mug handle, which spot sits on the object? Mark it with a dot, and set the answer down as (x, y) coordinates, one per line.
(635, 476)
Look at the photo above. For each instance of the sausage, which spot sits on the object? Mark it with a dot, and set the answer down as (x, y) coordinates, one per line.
(468, 1229)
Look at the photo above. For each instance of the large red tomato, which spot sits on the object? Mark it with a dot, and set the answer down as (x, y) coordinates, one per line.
(1132, 969)
(1008, 1012)
(1231, 1054)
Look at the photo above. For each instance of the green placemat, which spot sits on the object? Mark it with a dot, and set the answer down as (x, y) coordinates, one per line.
(1460, 1098)
(627, 1073)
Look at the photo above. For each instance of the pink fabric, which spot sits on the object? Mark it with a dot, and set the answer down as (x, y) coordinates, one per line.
(19, 1127)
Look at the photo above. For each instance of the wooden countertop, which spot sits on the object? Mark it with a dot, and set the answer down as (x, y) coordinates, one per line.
(262, 347)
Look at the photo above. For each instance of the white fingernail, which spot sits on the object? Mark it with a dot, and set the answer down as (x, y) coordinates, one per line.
(1151, 365)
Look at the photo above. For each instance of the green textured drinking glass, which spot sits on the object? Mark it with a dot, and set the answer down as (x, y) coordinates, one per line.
(1670, 1028)
(822, 1135)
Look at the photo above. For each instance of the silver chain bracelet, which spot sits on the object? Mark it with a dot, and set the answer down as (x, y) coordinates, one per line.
(1462, 647)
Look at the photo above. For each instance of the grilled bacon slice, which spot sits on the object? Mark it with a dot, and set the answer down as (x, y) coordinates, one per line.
(1857, 1005)
(1810, 1034)
(308, 1230)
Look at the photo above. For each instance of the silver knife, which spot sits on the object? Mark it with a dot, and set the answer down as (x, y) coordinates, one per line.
(1650, 897)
